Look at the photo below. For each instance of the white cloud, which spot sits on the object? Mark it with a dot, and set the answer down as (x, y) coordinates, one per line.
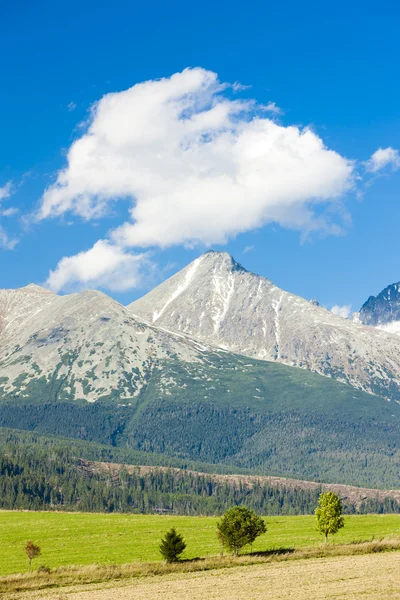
(198, 168)
(382, 158)
(8, 212)
(197, 165)
(5, 191)
(71, 106)
(104, 266)
(342, 311)
(273, 108)
(248, 249)
(6, 241)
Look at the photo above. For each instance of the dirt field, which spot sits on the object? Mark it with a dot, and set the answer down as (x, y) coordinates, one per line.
(373, 577)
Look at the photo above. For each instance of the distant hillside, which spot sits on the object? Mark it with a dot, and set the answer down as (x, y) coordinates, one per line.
(356, 497)
(47, 474)
(237, 412)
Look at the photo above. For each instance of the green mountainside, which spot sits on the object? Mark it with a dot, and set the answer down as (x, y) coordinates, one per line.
(233, 411)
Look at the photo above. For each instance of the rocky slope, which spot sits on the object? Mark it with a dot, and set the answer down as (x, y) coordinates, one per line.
(383, 311)
(83, 345)
(214, 299)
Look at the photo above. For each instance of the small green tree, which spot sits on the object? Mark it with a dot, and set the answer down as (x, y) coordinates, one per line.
(32, 551)
(238, 527)
(172, 546)
(329, 514)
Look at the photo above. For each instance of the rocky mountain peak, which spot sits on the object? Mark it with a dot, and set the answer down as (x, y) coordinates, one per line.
(217, 301)
(217, 258)
(36, 289)
(383, 308)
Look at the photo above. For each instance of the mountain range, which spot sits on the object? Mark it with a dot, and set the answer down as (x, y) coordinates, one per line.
(216, 364)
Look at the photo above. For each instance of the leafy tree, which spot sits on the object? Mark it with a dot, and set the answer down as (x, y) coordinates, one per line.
(32, 551)
(238, 527)
(172, 546)
(329, 514)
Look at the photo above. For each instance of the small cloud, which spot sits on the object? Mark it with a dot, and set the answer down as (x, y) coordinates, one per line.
(248, 249)
(342, 311)
(71, 106)
(382, 158)
(8, 212)
(5, 241)
(170, 266)
(6, 191)
(272, 108)
(239, 87)
(104, 265)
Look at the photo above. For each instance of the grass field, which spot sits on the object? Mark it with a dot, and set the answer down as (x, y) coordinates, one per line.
(83, 539)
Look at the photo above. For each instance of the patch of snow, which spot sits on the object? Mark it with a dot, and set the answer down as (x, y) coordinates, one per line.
(181, 288)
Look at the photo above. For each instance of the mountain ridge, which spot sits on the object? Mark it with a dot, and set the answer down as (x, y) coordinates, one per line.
(84, 366)
(229, 307)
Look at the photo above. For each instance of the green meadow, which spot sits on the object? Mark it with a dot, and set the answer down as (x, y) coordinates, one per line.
(86, 538)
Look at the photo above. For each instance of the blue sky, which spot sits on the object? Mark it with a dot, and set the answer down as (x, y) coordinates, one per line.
(323, 225)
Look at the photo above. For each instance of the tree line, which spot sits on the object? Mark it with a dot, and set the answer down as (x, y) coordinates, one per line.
(39, 477)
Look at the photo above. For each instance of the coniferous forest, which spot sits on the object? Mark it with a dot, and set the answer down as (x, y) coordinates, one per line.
(48, 474)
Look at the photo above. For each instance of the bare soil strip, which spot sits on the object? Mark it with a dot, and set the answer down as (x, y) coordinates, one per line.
(373, 577)
(352, 493)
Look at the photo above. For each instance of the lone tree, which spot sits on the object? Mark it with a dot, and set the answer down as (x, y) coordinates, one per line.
(32, 551)
(329, 514)
(172, 546)
(238, 527)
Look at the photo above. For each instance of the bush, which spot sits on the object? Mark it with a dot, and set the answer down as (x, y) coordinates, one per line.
(172, 546)
(238, 527)
(32, 551)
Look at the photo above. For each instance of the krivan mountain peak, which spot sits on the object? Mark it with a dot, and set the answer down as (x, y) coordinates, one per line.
(214, 301)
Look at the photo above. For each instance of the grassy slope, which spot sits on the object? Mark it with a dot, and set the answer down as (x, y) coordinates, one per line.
(83, 539)
(236, 411)
(276, 419)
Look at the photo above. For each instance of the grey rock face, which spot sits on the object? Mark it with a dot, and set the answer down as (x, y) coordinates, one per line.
(383, 308)
(214, 299)
(91, 344)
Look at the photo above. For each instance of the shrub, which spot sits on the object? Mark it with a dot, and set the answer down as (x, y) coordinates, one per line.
(32, 551)
(172, 546)
(238, 527)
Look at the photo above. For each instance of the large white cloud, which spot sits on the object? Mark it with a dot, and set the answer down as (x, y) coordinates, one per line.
(198, 165)
(104, 266)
